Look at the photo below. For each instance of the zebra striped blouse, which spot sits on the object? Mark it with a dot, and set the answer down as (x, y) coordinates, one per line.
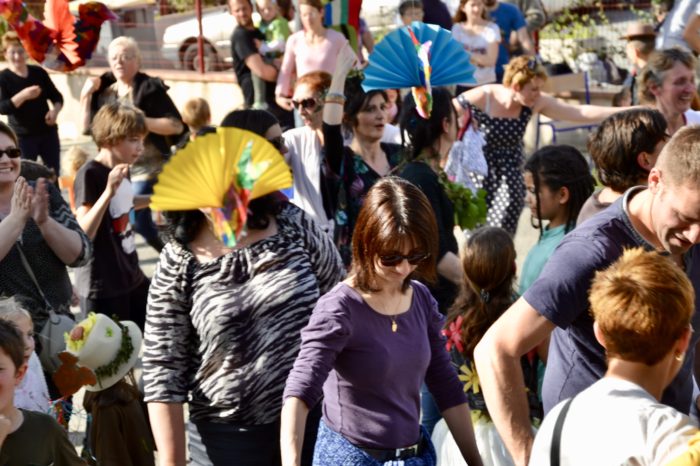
(223, 335)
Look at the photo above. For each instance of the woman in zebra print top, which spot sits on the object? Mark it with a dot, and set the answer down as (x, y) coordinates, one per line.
(223, 326)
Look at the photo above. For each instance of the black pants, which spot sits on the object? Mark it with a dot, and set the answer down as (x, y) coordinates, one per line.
(130, 306)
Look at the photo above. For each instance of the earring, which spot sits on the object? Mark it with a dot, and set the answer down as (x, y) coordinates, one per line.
(680, 357)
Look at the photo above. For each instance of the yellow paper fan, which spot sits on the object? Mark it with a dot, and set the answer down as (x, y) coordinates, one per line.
(200, 175)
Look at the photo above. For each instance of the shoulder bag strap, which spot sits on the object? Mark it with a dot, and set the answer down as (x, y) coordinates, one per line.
(29, 270)
(555, 451)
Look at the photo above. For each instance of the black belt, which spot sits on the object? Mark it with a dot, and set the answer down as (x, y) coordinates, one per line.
(395, 454)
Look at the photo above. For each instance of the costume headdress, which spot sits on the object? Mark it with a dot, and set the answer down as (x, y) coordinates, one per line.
(419, 56)
(220, 173)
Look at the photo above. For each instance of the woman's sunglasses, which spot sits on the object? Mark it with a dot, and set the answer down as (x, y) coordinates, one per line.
(306, 104)
(391, 260)
(12, 152)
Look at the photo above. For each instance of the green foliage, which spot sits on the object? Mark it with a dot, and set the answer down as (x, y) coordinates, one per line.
(470, 209)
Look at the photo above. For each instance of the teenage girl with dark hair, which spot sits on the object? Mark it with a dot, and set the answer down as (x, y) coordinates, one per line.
(358, 166)
(558, 183)
(223, 325)
(488, 262)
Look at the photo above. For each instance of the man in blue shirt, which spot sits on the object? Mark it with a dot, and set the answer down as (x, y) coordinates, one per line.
(509, 19)
(665, 217)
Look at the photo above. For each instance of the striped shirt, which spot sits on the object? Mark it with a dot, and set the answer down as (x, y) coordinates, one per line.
(223, 335)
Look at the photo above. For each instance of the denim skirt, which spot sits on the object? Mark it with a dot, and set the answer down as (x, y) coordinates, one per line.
(332, 449)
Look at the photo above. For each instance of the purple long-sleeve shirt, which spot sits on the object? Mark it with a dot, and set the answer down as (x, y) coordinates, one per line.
(370, 377)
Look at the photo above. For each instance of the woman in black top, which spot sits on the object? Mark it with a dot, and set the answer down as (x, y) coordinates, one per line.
(429, 143)
(25, 91)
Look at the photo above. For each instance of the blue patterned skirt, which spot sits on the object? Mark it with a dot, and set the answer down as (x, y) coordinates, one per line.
(332, 449)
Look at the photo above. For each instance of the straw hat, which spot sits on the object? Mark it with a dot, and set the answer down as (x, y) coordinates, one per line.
(107, 348)
(639, 30)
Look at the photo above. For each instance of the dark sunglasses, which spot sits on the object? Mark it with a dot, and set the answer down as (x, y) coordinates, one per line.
(277, 143)
(306, 104)
(391, 260)
(12, 152)
(532, 63)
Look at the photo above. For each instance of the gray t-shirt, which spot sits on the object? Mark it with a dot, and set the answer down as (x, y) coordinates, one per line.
(560, 294)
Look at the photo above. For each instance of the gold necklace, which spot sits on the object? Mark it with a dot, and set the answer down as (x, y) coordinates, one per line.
(394, 325)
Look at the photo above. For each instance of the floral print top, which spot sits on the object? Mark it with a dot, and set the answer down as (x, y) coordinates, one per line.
(353, 178)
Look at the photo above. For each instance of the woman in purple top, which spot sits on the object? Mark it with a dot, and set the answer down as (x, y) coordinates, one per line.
(372, 341)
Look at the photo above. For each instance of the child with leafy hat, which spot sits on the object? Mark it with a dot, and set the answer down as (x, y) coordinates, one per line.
(119, 433)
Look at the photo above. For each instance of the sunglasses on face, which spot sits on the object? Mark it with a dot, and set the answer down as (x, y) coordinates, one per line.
(306, 104)
(391, 260)
(11, 152)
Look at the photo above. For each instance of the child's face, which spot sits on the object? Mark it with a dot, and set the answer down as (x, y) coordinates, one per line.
(550, 201)
(268, 10)
(10, 377)
(128, 150)
(26, 328)
(412, 14)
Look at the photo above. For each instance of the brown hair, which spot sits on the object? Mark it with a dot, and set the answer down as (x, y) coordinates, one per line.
(395, 213)
(10, 38)
(679, 158)
(658, 64)
(642, 303)
(521, 70)
(488, 262)
(9, 132)
(643, 45)
(314, 3)
(196, 113)
(619, 140)
(318, 81)
(12, 343)
(460, 16)
(117, 121)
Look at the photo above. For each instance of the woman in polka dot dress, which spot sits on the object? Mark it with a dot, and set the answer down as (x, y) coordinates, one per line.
(503, 111)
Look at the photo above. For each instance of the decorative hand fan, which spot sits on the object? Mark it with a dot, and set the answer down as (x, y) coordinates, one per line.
(221, 173)
(418, 56)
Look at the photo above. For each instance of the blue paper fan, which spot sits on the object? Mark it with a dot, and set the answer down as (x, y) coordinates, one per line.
(394, 63)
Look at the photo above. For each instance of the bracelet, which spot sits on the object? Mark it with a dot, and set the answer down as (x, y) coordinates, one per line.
(335, 98)
(462, 101)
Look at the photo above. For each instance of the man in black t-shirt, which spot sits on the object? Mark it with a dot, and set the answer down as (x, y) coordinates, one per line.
(246, 60)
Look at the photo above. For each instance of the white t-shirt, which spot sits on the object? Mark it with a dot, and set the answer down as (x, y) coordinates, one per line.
(304, 158)
(479, 43)
(692, 117)
(671, 32)
(614, 422)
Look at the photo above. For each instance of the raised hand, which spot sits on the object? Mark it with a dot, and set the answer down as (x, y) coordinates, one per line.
(40, 202)
(21, 205)
(116, 176)
(90, 87)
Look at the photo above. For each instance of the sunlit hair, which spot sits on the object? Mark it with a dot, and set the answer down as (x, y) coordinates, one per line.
(556, 167)
(196, 113)
(659, 63)
(488, 262)
(10, 309)
(642, 303)
(12, 343)
(521, 70)
(128, 44)
(318, 4)
(10, 38)
(678, 161)
(395, 217)
(643, 45)
(117, 121)
(460, 16)
(618, 141)
(318, 81)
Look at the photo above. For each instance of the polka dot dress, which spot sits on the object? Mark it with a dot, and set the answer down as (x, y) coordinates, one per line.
(504, 184)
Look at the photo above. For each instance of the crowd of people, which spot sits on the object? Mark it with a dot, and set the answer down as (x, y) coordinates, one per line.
(348, 319)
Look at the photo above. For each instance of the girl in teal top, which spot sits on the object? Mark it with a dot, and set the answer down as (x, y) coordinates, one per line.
(558, 182)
